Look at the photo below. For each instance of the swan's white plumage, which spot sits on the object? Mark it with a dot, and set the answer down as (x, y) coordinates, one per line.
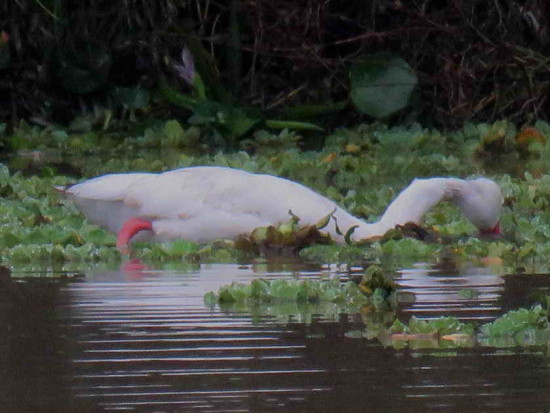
(205, 203)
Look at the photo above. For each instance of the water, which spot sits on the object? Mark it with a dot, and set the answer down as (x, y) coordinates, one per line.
(141, 340)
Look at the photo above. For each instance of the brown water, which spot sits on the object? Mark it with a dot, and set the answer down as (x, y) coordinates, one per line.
(132, 340)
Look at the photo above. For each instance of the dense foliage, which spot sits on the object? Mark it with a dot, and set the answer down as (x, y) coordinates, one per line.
(474, 60)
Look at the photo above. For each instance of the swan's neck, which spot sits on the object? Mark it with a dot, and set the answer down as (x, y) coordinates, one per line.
(412, 204)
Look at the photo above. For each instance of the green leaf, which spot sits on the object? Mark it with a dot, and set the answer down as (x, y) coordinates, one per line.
(515, 322)
(331, 290)
(9, 240)
(210, 299)
(234, 292)
(207, 112)
(323, 222)
(418, 326)
(382, 85)
(166, 90)
(232, 122)
(4, 174)
(98, 236)
(349, 233)
(71, 238)
(174, 131)
(336, 227)
(284, 289)
(308, 292)
(199, 86)
(135, 97)
(398, 327)
(290, 124)
(259, 235)
(181, 247)
(239, 123)
(226, 296)
(450, 325)
(36, 237)
(259, 289)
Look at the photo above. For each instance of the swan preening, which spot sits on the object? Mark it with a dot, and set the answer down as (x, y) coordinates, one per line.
(206, 203)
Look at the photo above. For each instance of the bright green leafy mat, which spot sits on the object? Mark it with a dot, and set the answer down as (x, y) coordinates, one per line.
(375, 298)
(362, 169)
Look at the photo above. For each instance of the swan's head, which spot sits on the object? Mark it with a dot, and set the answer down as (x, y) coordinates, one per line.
(481, 202)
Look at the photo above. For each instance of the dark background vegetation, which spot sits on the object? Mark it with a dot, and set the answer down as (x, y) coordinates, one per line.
(476, 60)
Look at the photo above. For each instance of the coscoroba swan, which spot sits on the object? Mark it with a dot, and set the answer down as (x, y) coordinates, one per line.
(205, 203)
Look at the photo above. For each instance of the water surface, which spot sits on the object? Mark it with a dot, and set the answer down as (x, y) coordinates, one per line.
(142, 340)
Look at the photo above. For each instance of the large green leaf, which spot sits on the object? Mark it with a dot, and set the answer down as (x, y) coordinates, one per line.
(233, 122)
(382, 85)
(291, 124)
(165, 90)
(134, 97)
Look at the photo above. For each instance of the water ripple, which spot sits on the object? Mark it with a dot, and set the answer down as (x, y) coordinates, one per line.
(146, 343)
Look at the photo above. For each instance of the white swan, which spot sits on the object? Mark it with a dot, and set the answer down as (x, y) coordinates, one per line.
(206, 203)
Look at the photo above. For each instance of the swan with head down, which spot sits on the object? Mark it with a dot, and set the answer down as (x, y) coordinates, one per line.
(205, 203)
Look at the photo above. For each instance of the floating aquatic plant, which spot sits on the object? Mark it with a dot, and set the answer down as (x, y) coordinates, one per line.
(286, 238)
(522, 327)
(353, 169)
(374, 298)
(436, 332)
(289, 290)
(301, 299)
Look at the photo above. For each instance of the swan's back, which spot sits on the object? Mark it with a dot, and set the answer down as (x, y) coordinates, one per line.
(200, 203)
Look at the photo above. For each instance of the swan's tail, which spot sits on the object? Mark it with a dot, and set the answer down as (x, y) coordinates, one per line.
(62, 189)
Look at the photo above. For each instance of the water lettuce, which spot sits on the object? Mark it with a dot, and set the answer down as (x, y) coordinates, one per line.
(362, 169)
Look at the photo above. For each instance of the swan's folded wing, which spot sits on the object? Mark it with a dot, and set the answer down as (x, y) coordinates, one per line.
(103, 200)
(206, 191)
(190, 192)
(113, 187)
(201, 203)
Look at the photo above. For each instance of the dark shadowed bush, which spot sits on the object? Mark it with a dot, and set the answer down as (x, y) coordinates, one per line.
(475, 60)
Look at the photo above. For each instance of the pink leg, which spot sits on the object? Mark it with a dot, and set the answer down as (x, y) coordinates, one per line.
(128, 230)
(493, 231)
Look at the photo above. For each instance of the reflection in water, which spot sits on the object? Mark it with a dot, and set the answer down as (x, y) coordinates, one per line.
(142, 340)
(471, 294)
